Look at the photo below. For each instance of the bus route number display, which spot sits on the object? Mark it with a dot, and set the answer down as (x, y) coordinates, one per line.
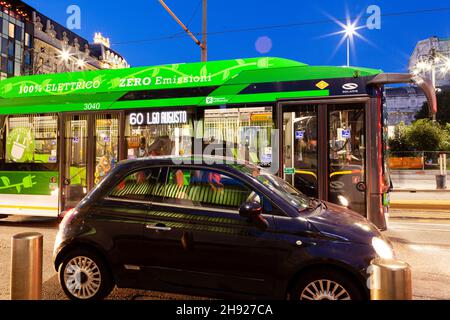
(156, 118)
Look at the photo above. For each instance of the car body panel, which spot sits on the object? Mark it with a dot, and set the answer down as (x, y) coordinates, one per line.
(214, 252)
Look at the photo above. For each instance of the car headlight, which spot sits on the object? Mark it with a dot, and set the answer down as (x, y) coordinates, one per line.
(382, 248)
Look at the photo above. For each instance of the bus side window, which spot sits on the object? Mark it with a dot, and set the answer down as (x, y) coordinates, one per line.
(2, 137)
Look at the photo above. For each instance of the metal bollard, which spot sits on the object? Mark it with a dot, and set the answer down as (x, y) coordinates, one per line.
(390, 280)
(26, 266)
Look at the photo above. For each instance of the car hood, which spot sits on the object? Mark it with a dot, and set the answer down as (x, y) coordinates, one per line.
(344, 224)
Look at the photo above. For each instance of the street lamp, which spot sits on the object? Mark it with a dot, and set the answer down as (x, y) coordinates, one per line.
(81, 63)
(434, 60)
(65, 55)
(350, 31)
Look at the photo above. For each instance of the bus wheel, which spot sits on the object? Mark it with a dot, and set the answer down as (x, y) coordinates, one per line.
(83, 275)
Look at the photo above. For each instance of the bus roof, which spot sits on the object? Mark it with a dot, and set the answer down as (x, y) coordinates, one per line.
(251, 80)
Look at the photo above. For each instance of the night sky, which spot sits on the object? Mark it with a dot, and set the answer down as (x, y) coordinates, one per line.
(144, 33)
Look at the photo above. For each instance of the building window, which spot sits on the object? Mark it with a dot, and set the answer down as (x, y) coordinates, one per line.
(18, 33)
(32, 139)
(11, 30)
(10, 68)
(18, 51)
(5, 26)
(4, 64)
(27, 58)
(27, 40)
(17, 69)
(5, 46)
(11, 48)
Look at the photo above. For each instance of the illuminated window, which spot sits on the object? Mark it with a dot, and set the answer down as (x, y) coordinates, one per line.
(32, 139)
(106, 146)
(27, 39)
(11, 30)
(244, 133)
(159, 133)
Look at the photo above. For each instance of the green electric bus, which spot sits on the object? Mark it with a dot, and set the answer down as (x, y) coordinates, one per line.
(321, 128)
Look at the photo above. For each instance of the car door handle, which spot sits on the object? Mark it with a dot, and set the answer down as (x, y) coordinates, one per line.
(158, 227)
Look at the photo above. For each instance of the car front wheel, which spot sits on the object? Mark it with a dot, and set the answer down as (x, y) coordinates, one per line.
(83, 275)
(325, 284)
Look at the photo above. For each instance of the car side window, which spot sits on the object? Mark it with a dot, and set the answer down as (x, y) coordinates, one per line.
(145, 185)
(205, 189)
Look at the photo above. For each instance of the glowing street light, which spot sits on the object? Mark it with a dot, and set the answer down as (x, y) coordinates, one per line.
(349, 32)
(433, 62)
(65, 55)
(81, 63)
(447, 64)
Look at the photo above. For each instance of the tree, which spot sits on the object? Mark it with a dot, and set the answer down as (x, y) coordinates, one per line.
(425, 135)
(421, 135)
(443, 113)
(399, 143)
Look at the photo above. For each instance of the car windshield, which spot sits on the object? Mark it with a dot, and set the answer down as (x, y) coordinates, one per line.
(282, 188)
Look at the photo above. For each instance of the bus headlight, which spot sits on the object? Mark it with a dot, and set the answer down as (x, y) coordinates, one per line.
(382, 248)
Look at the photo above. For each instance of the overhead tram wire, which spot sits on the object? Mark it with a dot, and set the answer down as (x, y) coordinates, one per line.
(279, 26)
(194, 14)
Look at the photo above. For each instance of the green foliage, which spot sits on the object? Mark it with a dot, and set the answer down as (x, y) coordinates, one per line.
(400, 140)
(443, 113)
(422, 135)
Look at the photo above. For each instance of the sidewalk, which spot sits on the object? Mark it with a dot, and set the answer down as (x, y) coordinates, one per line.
(423, 180)
(420, 204)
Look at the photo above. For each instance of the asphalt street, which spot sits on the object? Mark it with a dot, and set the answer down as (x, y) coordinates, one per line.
(424, 244)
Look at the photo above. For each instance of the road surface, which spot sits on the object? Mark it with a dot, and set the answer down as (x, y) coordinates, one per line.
(424, 244)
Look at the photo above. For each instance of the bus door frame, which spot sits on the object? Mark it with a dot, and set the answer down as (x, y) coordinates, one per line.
(90, 149)
(372, 144)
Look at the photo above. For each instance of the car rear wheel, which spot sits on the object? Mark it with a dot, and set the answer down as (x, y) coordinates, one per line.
(324, 284)
(83, 275)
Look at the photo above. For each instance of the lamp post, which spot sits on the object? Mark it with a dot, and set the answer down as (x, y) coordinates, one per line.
(432, 61)
(350, 31)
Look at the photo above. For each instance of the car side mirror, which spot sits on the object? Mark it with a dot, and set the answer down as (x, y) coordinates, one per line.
(252, 211)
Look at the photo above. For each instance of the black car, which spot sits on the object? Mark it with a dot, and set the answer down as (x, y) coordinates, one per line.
(226, 230)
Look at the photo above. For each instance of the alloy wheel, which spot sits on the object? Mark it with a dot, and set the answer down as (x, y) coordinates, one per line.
(82, 277)
(324, 290)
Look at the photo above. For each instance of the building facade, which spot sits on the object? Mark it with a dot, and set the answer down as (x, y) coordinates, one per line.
(109, 59)
(17, 32)
(32, 43)
(403, 103)
(423, 53)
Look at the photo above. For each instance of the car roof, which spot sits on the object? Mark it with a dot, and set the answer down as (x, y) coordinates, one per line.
(191, 160)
